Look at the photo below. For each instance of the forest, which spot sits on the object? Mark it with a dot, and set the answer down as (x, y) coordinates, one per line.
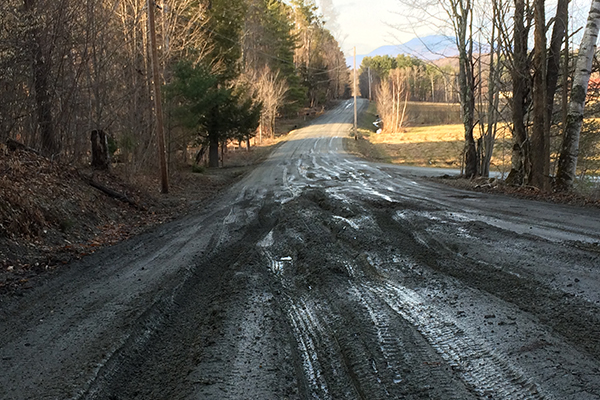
(517, 68)
(73, 70)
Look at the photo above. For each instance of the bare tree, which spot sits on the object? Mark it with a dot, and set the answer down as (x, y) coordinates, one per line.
(41, 64)
(392, 95)
(554, 56)
(269, 89)
(489, 121)
(540, 146)
(519, 70)
(461, 15)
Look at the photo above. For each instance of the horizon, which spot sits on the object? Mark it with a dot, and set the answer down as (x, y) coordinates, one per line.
(369, 26)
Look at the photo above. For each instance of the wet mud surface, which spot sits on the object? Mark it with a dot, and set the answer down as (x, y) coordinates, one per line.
(321, 276)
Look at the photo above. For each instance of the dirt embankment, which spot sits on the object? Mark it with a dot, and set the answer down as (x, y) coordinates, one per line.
(498, 186)
(50, 214)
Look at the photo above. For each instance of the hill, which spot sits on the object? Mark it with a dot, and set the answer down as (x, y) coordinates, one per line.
(429, 48)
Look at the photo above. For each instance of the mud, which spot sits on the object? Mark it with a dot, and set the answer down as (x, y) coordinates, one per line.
(321, 276)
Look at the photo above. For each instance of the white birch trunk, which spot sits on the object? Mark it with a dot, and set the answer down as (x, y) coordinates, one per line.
(567, 163)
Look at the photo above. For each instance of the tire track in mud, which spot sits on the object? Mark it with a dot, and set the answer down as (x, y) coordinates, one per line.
(165, 346)
(574, 318)
(400, 351)
(488, 373)
(338, 295)
(531, 302)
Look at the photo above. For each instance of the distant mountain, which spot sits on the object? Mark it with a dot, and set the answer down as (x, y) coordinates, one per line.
(428, 48)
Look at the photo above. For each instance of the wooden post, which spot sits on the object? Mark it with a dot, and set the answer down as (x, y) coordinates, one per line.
(369, 69)
(355, 114)
(160, 137)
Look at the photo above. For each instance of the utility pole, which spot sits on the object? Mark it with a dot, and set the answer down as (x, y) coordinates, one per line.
(370, 97)
(355, 115)
(160, 136)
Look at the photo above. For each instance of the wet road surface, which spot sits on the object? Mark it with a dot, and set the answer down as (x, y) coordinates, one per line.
(322, 276)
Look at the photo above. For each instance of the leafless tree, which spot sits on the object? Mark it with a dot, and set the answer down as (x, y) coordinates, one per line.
(392, 96)
(269, 89)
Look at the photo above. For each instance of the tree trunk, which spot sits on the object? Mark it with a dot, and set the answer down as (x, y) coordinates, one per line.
(466, 83)
(100, 157)
(462, 14)
(445, 88)
(397, 101)
(223, 150)
(213, 150)
(394, 123)
(558, 34)
(489, 136)
(41, 69)
(567, 163)
(404, 109)
(520, 152)
(540, 148)
(564, 101)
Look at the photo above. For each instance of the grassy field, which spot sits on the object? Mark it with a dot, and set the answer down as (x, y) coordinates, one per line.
(420, 113)
(436, 145)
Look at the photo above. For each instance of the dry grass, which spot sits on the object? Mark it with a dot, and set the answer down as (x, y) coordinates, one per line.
(421, 113)
(424, 145)
(439, 145)
(436, 146)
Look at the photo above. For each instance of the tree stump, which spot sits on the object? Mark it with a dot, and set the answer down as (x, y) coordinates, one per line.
(100, 158)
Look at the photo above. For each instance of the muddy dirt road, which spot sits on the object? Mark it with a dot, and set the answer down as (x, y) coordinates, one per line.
(321, 276)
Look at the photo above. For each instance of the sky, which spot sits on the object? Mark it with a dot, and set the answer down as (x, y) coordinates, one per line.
(369, 24)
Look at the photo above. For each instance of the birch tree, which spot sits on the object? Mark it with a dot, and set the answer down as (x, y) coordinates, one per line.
(489, 120)
(567, 163)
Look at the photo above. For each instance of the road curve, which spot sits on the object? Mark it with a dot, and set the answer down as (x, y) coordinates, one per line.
(322, 276)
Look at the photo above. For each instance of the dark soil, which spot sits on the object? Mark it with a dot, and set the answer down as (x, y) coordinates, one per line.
(50, 215)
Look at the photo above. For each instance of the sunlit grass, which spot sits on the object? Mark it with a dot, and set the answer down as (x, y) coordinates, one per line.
(424, 145)
(441, 145)
(419, 134)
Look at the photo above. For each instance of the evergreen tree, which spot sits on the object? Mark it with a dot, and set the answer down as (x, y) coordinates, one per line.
(214, 112)
(226, 23)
